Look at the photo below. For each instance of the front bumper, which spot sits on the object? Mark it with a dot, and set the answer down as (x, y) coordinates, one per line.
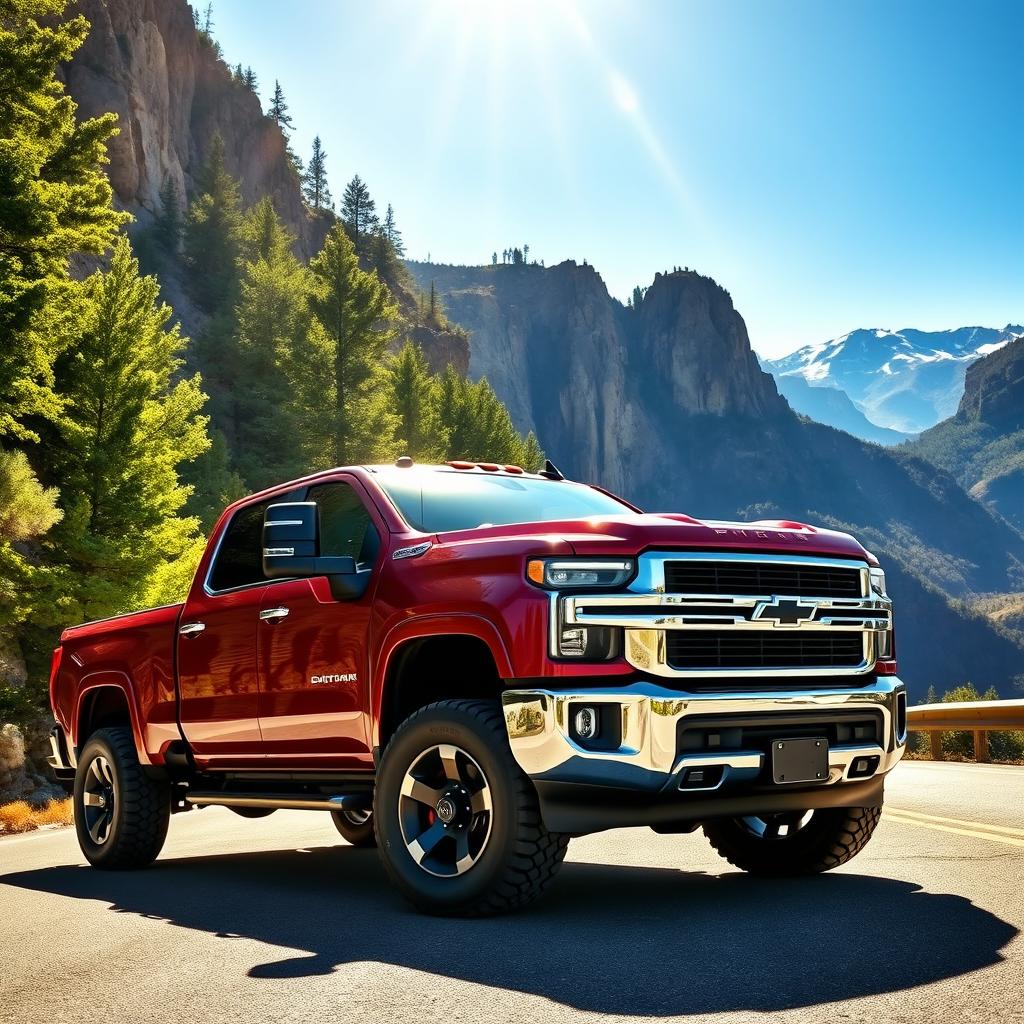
(645, 777)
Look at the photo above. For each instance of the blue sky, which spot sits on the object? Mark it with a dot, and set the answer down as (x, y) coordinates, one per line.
(832, 165)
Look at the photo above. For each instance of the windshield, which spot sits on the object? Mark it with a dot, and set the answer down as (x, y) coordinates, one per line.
(438, 501)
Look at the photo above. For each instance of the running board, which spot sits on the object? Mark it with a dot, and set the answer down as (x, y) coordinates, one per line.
(282, 801)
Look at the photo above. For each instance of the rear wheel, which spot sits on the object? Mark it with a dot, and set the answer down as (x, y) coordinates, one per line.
(796, 842)
(457, 821)
(121, 814)
(355, 826)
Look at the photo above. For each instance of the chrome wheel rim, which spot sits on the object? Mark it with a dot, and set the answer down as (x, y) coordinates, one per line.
(773, 827)
(99, 799)
(445, 811)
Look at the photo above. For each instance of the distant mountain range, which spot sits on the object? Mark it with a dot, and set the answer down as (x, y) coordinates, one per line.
(904, 381)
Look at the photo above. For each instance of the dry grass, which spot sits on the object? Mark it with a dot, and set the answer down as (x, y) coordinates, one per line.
(22, 817)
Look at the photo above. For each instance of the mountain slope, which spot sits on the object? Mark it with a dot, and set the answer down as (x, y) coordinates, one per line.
(905, 380)
(667, 405)
(833, 407)
(983, 444)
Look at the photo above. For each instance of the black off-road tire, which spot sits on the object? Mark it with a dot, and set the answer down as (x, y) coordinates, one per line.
(520, 857)
(831, 837)
(141, 805)
(355, 833)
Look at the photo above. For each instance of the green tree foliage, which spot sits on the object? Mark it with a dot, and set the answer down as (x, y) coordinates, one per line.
(314, 179)
(390, 231)
(479, 427)
(128, 422)
(272, 333)
(167, 226)
(352, 321)
(279, 110)
(27, 511)
(414, 394)
(213, 233)
(249, 80)
(54, 201)
(358, 212)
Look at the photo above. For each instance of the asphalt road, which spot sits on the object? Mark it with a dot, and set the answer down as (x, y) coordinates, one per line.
(278, 920)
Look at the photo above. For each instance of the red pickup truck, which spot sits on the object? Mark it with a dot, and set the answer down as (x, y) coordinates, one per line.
(466, 665)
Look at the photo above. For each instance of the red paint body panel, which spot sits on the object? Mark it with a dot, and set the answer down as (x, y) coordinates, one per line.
(307, 691)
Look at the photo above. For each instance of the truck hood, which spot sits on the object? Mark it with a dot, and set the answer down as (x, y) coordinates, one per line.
(633, 534)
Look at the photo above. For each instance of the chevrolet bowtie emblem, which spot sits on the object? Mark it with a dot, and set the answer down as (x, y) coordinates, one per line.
(785, 612)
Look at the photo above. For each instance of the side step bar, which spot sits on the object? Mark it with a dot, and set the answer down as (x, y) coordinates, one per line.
(282, 801)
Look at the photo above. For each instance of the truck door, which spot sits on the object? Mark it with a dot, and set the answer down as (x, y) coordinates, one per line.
(217, 637)
(313, 664)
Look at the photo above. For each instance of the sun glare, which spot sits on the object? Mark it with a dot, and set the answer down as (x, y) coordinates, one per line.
(622, 92)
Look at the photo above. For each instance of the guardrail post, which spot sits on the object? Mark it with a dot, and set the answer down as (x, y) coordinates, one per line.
(981, 746)
(936, 741)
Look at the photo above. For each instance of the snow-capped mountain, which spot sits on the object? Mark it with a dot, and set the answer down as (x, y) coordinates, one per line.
(904, 380)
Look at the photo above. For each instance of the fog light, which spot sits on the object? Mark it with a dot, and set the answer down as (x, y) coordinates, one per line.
(585, 723)
(572, 643)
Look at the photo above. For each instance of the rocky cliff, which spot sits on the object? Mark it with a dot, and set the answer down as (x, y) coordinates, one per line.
(145, 61)
(994, 389)
(983, 444)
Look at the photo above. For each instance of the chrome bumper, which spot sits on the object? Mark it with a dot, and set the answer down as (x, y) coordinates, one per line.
(647, 758)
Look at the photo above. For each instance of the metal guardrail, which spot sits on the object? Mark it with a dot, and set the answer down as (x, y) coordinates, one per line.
(978, 716)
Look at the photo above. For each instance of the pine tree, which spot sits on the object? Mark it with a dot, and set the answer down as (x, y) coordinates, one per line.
(167, 226)
(213, 233)
(414, 399)
(638, 296)
(271, 348)
(128, 422)
(314, 180)
(353, 317)
(208, 20)
(391, 232)
(56, 201)
(358, 212)
(249, 79)
(526, 254)
(279, 110)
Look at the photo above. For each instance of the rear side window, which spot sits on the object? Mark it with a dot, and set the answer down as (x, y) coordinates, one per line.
(345, 526)
(239, 560)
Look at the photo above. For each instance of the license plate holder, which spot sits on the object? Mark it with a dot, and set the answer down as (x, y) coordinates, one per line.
(803, 759)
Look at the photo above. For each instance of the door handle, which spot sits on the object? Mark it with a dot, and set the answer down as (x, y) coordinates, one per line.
(191, 629)
(273, 615)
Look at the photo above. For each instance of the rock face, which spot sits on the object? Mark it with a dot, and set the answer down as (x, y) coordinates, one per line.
(591, 377)
(145, 61)
(994, 389)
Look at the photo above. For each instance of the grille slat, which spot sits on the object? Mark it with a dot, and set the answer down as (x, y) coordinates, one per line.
(703, 649)
(696, 577)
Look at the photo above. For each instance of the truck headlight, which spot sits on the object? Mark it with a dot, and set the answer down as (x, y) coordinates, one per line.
(878, 582)
(574, 573)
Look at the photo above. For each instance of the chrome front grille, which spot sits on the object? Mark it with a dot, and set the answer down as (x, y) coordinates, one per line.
(790, 615)
(696, 576)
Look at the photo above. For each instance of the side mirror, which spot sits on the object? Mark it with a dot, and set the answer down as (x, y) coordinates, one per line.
(291, 549)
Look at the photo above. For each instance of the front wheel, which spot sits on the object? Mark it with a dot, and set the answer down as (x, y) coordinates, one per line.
(793, 843)
(121, 814)
(458, 824)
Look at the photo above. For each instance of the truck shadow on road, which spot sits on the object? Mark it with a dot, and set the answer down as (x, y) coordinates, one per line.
(615, 940)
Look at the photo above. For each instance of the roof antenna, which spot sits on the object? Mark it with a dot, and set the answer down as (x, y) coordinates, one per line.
(550, 470)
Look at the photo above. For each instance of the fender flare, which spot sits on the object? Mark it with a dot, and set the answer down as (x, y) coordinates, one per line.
(110, 679)
(421, 627)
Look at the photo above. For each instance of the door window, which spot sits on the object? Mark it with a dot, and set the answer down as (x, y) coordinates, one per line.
(345, 525)
(239, 560)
